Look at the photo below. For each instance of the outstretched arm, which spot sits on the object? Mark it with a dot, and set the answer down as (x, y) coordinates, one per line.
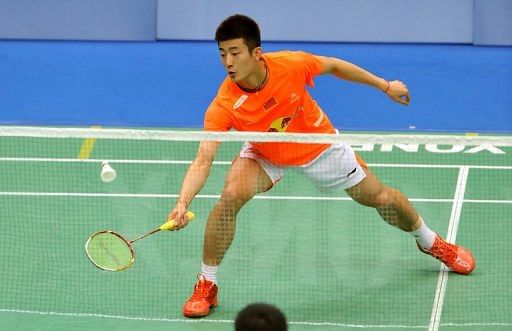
(396, 90)
(196, 176)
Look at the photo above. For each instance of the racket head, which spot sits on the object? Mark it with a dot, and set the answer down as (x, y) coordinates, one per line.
(109, 251)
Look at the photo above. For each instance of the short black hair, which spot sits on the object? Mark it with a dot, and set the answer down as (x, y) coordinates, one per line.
(239, 26)
(260, 317)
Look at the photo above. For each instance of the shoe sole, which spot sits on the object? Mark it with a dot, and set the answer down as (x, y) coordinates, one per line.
(193, 314)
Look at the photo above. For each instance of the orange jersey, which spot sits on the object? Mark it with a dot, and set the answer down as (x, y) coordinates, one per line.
(283, 105)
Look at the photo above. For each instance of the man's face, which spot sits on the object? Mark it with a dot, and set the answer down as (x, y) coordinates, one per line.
(236, 58)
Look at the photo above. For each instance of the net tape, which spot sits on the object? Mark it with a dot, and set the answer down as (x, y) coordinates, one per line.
(185, 135)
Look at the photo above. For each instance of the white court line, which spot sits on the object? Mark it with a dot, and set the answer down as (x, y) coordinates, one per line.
(488, 201)
(74, 160)
(458, 199)
(206, 320)
(217, 196)
(380, 165)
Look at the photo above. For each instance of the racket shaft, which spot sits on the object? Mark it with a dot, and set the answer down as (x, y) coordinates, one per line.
(168, 226)
(145, 235)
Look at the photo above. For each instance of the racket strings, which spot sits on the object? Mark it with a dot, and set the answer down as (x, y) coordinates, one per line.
(109, 251)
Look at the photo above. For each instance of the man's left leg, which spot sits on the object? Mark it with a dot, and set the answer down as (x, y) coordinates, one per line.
(394, 207)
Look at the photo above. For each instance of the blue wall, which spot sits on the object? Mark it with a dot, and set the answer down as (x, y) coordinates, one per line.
(493, 22)
(169, 84)
(78, 19)
(439, 21)
(454, 87)
(405, 21)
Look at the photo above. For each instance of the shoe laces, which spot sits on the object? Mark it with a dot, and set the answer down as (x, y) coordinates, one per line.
(443, 251)
(201, 289)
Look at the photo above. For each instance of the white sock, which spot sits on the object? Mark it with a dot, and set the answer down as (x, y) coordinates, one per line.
(209, 272)
(424, 236)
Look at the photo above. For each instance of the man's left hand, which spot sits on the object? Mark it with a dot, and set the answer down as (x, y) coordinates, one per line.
(398, 92)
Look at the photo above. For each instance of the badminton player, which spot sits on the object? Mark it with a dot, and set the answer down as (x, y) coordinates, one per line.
(267, 92)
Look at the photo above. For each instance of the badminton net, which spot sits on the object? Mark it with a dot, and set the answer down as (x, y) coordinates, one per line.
(316, 254)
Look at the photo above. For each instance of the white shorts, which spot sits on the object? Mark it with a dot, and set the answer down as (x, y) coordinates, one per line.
(335, 168)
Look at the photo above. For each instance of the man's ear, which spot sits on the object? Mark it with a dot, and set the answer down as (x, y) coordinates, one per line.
(257, 53)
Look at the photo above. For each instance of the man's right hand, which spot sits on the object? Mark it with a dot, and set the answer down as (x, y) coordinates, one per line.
(178, 214)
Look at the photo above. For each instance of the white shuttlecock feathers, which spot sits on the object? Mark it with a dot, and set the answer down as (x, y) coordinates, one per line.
(108, 173)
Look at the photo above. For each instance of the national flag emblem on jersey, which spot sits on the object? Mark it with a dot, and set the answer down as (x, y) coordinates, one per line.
(271, 103)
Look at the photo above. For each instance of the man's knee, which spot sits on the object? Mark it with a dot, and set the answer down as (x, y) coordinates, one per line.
(235, 195)
(377, 199)
(387, 196)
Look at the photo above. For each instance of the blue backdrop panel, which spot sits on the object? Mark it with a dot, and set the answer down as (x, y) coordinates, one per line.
(493, 22)
(78, 19)
(453, 88)
(439, 21)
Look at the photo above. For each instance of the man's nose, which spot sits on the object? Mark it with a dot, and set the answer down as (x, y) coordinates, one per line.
(229, 61)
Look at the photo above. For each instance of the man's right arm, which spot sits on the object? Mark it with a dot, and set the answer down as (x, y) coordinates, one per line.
(194, 180)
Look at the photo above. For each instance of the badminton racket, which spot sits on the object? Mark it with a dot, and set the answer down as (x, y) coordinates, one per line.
(110, 251)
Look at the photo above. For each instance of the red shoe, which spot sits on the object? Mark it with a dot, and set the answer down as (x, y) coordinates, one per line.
(203, 298)
(457, 258)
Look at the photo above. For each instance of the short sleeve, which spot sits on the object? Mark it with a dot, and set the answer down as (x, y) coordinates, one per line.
(217, 118)
(311, 65)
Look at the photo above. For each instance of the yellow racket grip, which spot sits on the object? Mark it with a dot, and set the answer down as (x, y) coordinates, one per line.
(169, 225)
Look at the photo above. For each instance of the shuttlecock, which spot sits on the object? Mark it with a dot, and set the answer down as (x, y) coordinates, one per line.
(108, 173)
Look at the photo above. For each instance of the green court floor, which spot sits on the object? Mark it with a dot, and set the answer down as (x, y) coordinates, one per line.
(327, 262)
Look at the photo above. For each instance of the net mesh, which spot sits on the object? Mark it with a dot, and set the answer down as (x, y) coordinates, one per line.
(320, 257)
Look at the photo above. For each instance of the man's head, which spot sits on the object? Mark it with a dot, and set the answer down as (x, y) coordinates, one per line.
(260, 317)
(239, 26)
(239, 43)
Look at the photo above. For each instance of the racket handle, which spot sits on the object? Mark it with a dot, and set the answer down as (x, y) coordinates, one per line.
(169, 225)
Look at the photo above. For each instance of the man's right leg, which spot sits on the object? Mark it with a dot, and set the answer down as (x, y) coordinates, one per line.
(245, 179)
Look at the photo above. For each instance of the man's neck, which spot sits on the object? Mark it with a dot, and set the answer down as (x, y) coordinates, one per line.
(259, 79)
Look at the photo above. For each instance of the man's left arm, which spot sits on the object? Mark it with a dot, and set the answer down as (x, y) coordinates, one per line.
(395, 89)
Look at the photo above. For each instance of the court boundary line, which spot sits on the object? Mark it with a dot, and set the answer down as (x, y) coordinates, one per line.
(206, 320)
(217, 196)
(128, 161)
(458, 200)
